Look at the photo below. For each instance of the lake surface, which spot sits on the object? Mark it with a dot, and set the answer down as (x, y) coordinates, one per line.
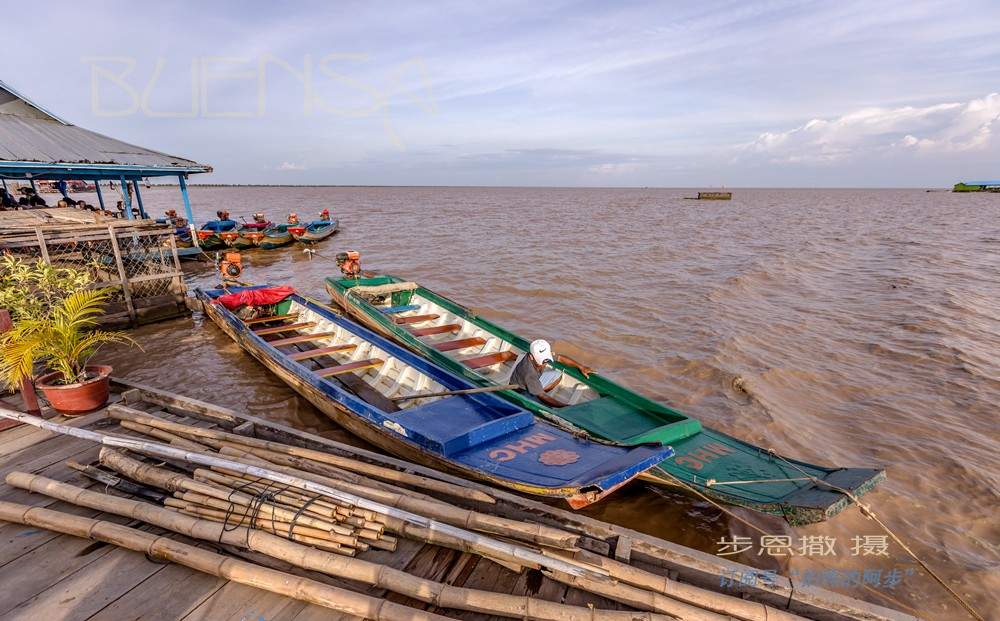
(846, 327)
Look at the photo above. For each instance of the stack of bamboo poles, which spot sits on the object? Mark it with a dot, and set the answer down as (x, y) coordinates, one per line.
(315, 511)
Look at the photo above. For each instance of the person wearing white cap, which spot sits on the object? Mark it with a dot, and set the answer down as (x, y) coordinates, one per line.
(528, 372)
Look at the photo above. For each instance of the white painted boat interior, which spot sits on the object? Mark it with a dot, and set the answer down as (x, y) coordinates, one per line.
(391, 378)
(569, 390)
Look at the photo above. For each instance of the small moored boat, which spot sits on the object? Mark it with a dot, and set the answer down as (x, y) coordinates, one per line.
(357, 378)
(709, 461)
(278, 235)
(247, 234)
(208, 235)
(182, 233)
(315, 231)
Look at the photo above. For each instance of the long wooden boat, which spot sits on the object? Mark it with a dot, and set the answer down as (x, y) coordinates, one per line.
(314, 232)
(713, 463)
(354, 376)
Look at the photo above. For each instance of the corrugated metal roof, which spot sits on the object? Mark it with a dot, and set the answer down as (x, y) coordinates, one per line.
(28, 133)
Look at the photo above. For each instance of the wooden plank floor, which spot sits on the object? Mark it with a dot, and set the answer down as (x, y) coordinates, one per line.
(50, 576)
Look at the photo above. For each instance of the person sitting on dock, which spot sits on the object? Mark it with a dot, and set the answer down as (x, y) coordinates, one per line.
(529, 371)
(6, 200)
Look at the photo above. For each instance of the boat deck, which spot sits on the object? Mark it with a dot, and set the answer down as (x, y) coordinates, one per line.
(46, 575)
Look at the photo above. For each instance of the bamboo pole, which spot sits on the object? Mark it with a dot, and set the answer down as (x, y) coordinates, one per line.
(158, 477)
(661, 599)
(450, 514)
(267, 512)
(340, 513)
(296, 533)
(165, 436)
(366, 572)
(429, 527)
(241, 572)
(280, 497)
(275, 527)
(388, 474)
(718, 602)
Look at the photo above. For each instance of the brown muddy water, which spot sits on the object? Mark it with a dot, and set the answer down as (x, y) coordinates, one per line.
(847, 327)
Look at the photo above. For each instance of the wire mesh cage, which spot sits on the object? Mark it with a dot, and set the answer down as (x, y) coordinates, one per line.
(137, 263)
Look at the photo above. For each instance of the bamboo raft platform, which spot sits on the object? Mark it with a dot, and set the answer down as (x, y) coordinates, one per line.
(46, 574)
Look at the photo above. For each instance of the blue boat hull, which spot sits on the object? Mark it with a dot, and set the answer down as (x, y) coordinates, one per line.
(317, 231)
(481, 435)
(276, 237)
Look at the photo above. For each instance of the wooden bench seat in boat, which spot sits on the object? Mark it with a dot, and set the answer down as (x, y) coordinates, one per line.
(395, 310)
(285, 328)
(448, 327)
(256, 320)
(489, 360)
(350, 366)
(460, 344)
(321, 351)
(455, 424)
(302, 338)
(400, 321)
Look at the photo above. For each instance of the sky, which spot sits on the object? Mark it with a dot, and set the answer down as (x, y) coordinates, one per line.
(662, 94)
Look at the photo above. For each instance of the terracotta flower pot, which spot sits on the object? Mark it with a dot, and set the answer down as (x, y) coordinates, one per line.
(76, 399)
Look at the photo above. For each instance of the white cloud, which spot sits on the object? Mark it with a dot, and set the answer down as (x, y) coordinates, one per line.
(939, 128)
(618, 168)
(290, 166)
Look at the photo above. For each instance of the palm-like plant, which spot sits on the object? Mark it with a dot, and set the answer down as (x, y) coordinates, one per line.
(64, 340)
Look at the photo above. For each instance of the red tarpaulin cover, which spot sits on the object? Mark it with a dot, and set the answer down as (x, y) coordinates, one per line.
(254, 297)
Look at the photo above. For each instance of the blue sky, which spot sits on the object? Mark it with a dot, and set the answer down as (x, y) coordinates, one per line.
(777, 93)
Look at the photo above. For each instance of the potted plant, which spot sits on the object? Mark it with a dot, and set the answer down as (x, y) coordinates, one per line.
(56, 327)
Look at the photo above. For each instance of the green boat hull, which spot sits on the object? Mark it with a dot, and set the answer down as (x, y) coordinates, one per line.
(713, 463)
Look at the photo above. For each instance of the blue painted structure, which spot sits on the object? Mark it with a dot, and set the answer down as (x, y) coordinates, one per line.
(480, 434)
(35, 144)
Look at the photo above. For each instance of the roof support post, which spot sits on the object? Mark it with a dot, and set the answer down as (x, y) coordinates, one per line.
(126, 198)
(100, 196)
(4, 182)
(138, 198)
(32, 182)
(187, 210)
(187, 200)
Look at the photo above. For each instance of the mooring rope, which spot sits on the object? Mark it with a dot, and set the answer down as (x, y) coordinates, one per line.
(713, 482)
(868, 513)
(752, 526)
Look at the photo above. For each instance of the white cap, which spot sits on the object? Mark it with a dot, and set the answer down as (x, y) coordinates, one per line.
(541, 351)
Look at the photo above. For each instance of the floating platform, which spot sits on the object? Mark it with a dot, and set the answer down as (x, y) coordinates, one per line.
(48, 575)
(977, 186)
(713, 196)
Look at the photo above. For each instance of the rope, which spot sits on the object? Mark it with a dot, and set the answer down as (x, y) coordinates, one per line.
(302, 509)
(697, 492)
(252, 511)
(868, 513)
(713, 482)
